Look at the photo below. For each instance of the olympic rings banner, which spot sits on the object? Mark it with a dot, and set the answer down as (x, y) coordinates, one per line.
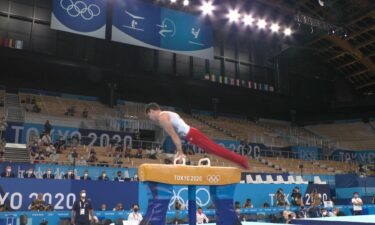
(146, 25)
(258, 193)
(85, 17)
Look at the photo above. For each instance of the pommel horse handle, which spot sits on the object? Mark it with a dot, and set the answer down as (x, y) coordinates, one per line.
(183, 162)
(204, 160)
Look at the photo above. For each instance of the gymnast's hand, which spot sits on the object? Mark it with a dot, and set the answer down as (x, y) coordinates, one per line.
(179, 156)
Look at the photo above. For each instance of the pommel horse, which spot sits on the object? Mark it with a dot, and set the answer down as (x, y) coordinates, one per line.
(161, 178)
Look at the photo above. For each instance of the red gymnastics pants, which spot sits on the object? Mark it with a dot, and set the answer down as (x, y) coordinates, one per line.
(200, 140)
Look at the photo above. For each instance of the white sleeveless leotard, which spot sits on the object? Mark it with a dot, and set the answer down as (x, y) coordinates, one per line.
(178, 124)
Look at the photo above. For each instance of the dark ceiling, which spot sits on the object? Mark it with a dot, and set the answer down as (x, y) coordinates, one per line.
(352, 57)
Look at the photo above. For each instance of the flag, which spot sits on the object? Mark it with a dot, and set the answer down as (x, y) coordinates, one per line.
(213, 77)
(6, 42)
(19, 44)
(231, 81)
(11, 43)
(221, 79)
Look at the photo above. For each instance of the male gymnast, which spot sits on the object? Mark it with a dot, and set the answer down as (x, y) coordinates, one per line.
(176, 127)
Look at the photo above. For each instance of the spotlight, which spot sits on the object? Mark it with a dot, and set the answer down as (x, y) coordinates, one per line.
(248, 20)
(207, 8)
(261, 24)
(233, 16)
(332, 31)
(173, 1)
(344, 34)
(287, 32)
(275, 27)
(185, 2)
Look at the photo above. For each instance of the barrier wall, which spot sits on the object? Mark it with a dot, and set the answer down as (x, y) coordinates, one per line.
(347, 184)
(19, 193)
(60, 170)
(34, 218)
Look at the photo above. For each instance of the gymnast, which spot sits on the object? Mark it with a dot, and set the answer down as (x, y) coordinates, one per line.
(176, 127)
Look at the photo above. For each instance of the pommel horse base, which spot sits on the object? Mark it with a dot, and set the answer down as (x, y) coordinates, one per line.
(161, 178)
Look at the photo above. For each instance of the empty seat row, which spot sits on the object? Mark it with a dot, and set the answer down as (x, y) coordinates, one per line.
(280, 180)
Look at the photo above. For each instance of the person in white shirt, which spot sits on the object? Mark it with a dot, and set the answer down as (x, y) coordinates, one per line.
(201, 217)
(135, 215)
(357, 204)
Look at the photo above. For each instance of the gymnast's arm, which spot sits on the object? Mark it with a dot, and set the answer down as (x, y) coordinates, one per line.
(167, 126)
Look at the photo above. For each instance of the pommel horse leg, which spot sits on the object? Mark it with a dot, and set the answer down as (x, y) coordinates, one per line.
(158, 201)
(222, 196)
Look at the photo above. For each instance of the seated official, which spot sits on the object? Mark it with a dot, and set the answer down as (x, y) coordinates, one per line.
(29, 174)
(85, 176)
(8, 173)
(48, 175)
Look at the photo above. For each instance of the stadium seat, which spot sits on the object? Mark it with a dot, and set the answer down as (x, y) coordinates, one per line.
(291, 180)
(258, 179)
(269, 179)
(317, 180)
(280, 180)
(249, 179)
(299, 180)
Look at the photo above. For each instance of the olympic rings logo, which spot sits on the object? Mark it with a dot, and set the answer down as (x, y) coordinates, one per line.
(80, 8)
(200, 202)
(213, 179)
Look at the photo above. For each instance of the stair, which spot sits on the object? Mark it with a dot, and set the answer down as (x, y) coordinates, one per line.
(14, 111)
(16, 153)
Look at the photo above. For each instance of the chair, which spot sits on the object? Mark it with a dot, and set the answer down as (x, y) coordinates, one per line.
(291, 180)
(317, 180)
(280, 180)
(249, 179)
(258, 179)
(299, 180)
(269, 179)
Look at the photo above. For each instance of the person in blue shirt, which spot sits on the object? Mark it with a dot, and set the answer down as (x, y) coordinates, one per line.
(82, 210)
